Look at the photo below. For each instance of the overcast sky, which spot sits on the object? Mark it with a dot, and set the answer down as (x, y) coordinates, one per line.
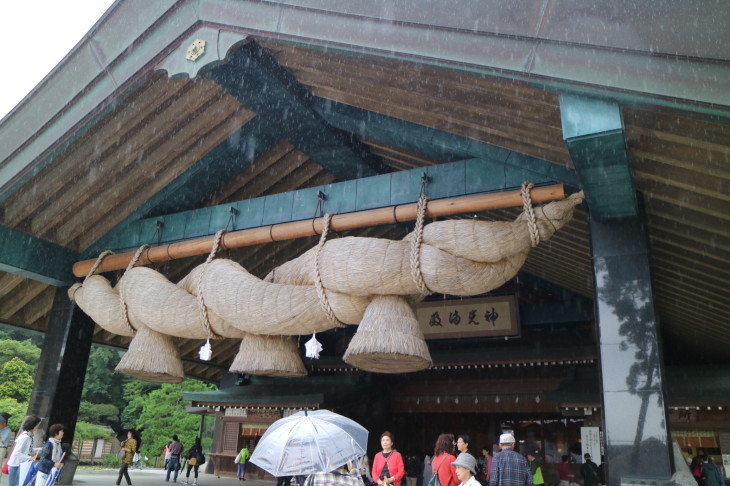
(36, 35)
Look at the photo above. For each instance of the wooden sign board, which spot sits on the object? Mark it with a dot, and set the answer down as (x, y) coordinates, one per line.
(682, 415)
(482, 317)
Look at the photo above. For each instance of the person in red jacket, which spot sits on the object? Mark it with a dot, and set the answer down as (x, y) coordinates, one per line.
(442, 459)
(388, 468)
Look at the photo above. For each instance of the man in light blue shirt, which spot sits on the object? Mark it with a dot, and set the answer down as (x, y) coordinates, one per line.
(4, 435)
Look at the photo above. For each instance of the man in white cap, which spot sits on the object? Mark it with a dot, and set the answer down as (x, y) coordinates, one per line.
(4, 435)
(466, 469)
(509, 468)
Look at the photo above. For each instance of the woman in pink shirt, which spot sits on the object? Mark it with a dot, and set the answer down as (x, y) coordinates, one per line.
(388, 468)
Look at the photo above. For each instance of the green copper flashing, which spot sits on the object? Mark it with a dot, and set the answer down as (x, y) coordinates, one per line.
(34, 258)
(453, 179)
(593, 131)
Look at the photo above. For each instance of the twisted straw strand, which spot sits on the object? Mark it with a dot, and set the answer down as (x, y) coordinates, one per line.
(201, 300)
(324, 302)
(530, 212)
(416, 243)
(122, 301)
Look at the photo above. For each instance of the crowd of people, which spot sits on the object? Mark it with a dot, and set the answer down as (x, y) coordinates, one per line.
(44, 463)
(454, 463)
(25, 464)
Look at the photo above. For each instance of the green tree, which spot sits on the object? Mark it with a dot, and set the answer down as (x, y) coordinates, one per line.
(16, 380)
(99, 413)
(20, 334)
(163, 414)
(16, 410)
(87, 431)
(24, 350)
(134, 395)
(102, 385)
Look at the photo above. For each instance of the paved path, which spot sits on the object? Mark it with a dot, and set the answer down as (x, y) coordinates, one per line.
(155, 477)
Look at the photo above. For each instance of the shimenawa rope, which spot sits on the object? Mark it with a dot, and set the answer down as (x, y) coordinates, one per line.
(122, 301)
(530, 213)
(318, 277)
(201, 300)
(416, 248)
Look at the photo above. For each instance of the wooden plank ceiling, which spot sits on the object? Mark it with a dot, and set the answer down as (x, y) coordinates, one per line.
(166, 125)
(680, 166)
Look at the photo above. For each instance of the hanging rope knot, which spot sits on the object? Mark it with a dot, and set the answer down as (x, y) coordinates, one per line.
(97, 264)
(122, 300)
(324, 302)
(201, 299)
(416, 243)
(530, 213)
(425, 179)
(94, 267)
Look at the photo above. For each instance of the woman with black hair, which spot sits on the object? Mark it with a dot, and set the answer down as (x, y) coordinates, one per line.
(462, 444)
(129, 446)
(51, 455)
(23, 448)
(195, 458)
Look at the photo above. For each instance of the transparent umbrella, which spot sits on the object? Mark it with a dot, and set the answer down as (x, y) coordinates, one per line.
(308, 443)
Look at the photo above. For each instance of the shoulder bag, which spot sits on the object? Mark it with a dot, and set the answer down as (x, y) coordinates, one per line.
(434, 481)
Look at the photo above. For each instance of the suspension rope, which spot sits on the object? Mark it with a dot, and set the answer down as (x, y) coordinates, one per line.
(530, 213)
(201, 300)
(416, 243)
(122, 300)
(324, 302)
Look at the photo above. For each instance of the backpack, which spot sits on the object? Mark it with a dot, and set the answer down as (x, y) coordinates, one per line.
(434, 481)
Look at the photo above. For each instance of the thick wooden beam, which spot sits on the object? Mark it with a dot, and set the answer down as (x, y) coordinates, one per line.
(437, 144)
(314, 226)
(251, 71)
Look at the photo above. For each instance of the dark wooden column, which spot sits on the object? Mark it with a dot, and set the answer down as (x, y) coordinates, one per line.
(638, 442)
(59, 380)
(635, 429)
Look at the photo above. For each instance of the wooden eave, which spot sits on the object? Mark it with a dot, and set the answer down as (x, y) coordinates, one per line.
(99, 153)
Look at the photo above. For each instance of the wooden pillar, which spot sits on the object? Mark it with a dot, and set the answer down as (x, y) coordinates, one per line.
(635, 422)
(59, 380)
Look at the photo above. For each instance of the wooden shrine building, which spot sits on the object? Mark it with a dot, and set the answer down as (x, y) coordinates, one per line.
(174, 119)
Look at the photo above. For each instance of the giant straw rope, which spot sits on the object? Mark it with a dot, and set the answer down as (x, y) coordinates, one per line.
(332, 283)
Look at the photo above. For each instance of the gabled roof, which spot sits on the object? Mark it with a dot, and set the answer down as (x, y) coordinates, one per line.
(292, 95)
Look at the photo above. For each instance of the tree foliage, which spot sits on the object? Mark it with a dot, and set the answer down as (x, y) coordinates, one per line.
(99, 413)
(16, 410)
(24, 350)
(134, 395)
(87, 431)
(16, 380)
(163, 414)
(158, 411)
(102, 384)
